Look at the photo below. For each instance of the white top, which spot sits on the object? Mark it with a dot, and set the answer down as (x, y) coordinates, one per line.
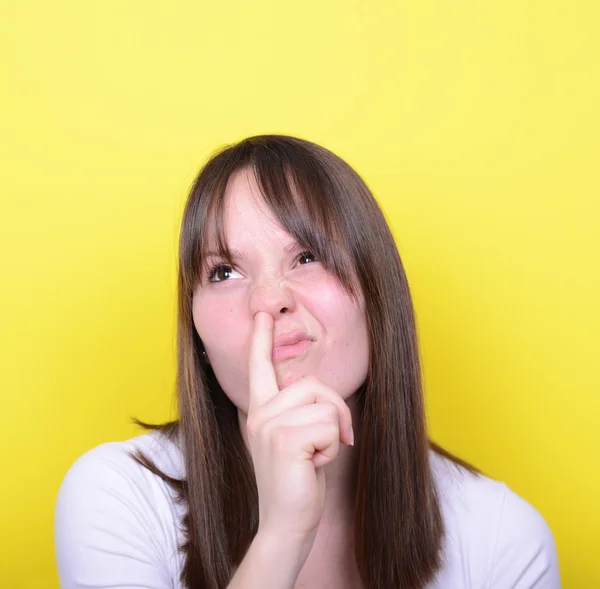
(117, 525)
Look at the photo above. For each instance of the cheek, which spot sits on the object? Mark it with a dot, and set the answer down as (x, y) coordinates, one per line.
(220, 326)
(334, 308)
(215, 321)
(347, 355)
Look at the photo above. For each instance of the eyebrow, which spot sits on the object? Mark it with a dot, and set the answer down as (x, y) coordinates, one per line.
(235, 254)
(240, 254)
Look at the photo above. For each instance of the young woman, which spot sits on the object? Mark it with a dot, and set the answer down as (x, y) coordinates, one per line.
(300, 456)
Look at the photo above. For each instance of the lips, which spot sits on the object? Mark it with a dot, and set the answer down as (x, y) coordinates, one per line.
(290, 345)
(289, 339)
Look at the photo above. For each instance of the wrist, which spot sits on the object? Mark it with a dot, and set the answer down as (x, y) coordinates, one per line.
(283, 548)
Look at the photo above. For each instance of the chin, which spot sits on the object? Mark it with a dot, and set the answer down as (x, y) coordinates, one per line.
(287, 379)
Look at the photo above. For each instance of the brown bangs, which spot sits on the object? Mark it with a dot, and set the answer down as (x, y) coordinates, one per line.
(299, 191)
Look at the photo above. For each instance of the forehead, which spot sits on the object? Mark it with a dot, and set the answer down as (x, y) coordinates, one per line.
(246, 218)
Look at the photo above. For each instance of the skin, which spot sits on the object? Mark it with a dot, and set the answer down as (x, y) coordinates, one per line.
(270, 279)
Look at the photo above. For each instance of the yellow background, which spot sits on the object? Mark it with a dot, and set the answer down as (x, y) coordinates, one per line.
(475, 123)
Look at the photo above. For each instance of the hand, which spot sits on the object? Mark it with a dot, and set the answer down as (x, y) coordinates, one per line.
(292, 434)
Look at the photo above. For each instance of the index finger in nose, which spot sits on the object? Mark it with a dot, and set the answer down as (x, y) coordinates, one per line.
(262, 379)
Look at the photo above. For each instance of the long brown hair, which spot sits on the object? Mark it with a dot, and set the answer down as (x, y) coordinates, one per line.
(326, 206)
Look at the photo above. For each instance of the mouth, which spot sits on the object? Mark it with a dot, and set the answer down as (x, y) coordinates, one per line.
(285, 352)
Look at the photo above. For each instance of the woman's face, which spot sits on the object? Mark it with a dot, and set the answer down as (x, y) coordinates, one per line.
(273, 274)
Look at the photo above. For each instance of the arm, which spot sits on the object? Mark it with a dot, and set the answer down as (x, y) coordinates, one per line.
(525, 554)
(270, 563)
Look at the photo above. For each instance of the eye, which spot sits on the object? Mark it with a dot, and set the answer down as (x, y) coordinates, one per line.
(305, 255)
(219, 273)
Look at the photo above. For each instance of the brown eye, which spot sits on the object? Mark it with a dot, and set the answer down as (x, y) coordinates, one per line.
(219, 273)
(307, 255)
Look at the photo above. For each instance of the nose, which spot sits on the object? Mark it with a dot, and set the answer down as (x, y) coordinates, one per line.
(273, 297)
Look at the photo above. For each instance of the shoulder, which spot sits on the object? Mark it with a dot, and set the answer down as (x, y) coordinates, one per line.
(497, 535)
(115, 459)
(109, 470)
(114, 514)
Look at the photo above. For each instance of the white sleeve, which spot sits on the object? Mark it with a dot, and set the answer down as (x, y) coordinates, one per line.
(106, 529)
(525, 553)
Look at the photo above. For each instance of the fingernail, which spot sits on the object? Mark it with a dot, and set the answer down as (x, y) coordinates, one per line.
(351, 435)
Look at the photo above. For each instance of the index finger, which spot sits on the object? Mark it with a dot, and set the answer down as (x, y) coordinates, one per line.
(261, 376)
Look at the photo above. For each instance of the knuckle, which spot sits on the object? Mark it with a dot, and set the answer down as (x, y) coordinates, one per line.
(330, 411)
(311, 388)
(266, 431)
(281, 438)
(253, 425)
(334, 431)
